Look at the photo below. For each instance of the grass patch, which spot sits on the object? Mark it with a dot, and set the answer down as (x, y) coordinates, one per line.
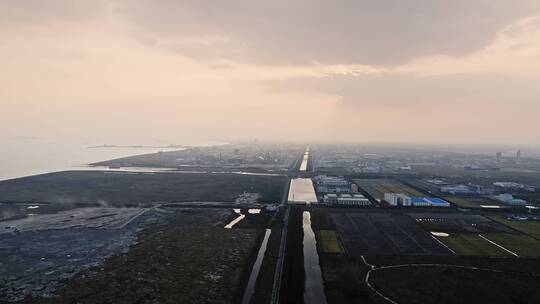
(471, 244)
(522, 245)
(531, 228)
(447, 285)
(329, 242)
(119, 189)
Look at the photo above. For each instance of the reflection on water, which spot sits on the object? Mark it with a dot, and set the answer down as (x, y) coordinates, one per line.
(301, 191)
(314, 286)
(254, 211)
(236, 220)
(303, 166)
(443, 234)
(250, 288)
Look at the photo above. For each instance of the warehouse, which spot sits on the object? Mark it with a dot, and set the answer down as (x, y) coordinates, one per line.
(346, 200)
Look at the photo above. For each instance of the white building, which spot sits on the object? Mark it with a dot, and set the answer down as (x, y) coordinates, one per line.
(330, 198)
(398, 199)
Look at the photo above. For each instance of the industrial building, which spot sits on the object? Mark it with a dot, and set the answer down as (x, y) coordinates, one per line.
(332, 184)
(514, 186)
(397, 199)
(400, 199)
(429, 202)
(457, 189)
(346, 200)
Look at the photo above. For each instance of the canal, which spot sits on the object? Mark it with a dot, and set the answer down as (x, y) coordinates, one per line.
(250, 289)
(303, 166)
(301, 191)
(314, 285)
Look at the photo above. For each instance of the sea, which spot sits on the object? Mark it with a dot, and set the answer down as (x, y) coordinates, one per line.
(20, 157)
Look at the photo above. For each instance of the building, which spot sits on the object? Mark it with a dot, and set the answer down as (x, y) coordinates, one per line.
(470, 189)
(330, 180)
(400, 199)
(330, 199)
(346, 200)
(353, 200)
(354, 188)
(333, 189)
(429, 202)
(514, 186)
(457, 189)
(397, 199)
(510, 200)
(331, 184)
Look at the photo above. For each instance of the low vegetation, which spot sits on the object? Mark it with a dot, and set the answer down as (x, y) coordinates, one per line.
(471, 244)
(122, 188)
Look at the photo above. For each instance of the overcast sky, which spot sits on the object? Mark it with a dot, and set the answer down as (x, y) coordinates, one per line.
(360, 70)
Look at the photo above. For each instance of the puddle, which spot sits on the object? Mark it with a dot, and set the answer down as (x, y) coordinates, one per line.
(444, 234)
(236, 220)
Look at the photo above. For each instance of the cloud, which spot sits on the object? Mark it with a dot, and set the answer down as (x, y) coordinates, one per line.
(312, 70)
(46, 12)
(375, 32)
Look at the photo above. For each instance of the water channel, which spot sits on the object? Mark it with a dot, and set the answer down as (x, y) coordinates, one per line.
(303, 166)
(250, 288)
(314, 286)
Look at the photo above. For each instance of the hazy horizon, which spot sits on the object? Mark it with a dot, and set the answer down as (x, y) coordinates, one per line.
(367, 71)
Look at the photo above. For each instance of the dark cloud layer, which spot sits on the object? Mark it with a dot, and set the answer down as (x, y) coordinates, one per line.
(377, 32)
(380, 32)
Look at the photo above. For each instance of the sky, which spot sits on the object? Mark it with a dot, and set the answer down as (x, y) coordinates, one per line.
(141, 71)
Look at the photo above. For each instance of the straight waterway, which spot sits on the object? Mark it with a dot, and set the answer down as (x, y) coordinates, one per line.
(250, 288)
(314, 286)
(303, 166)
(302, 191)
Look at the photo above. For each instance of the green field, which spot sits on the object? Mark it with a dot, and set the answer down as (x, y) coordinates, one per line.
(522, 245)
(471, 244)
(329, 242)
(531, 228)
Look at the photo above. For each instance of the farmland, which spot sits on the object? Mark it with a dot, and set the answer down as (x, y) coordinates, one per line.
(329, 242)
(378, 187)
(446, 285)
(521, 245)
(531, 228)
(471, 202)
(471, 245)
(457, 222)
(381, 233)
